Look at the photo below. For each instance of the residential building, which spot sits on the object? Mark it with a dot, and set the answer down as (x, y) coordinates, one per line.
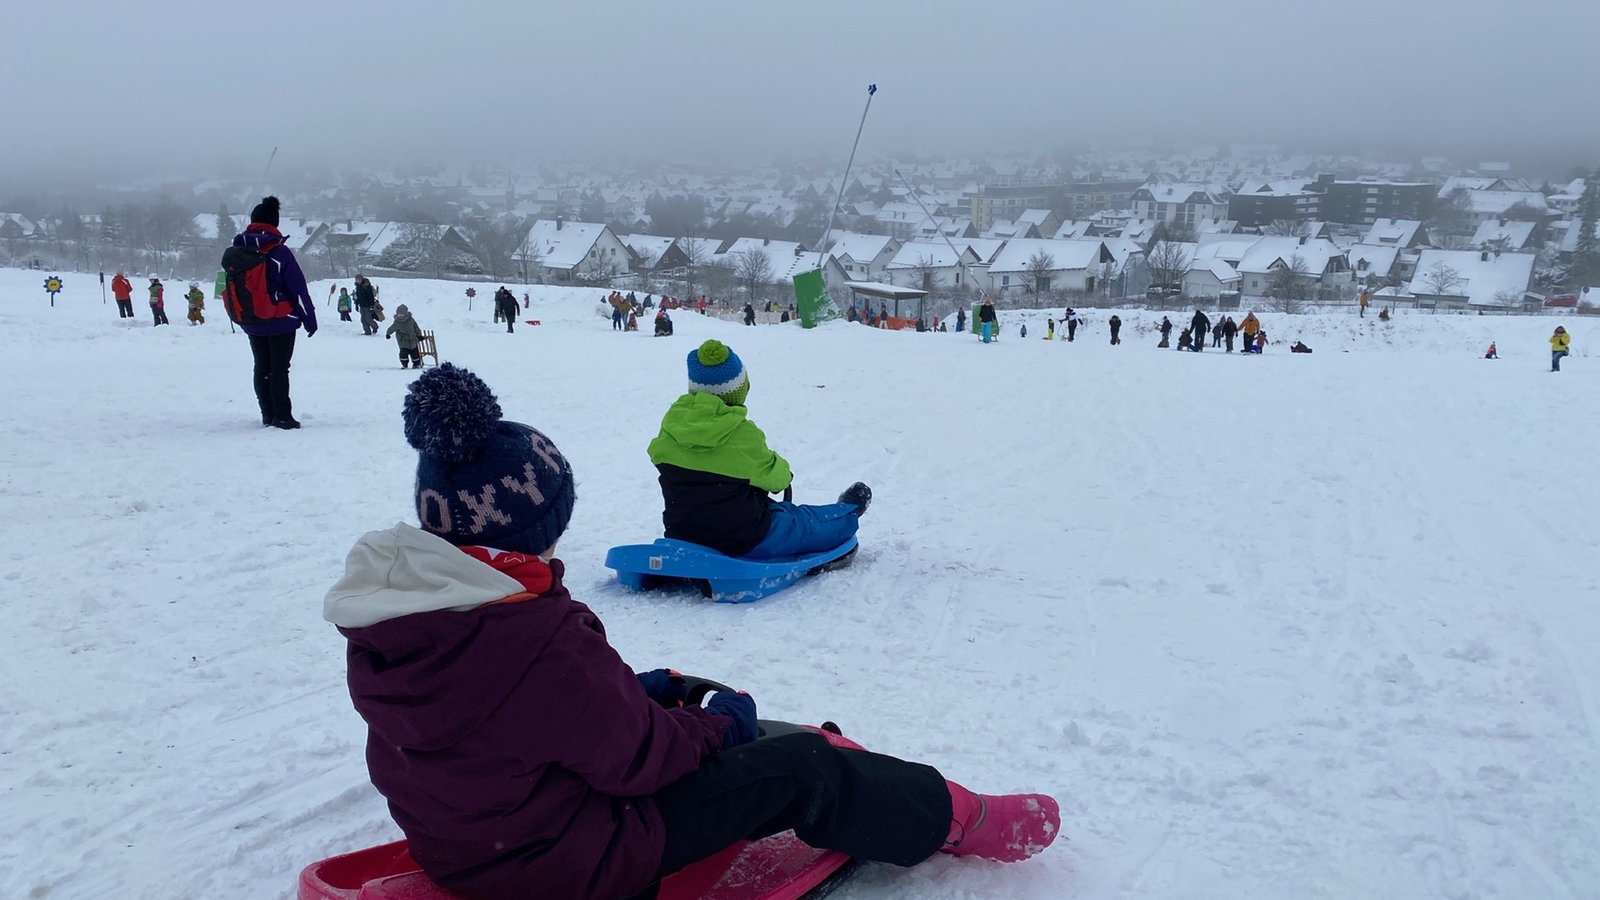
(1070, 265)
(1365, 202)
(1472, 279)
(557, 250)
(1184, 203)
(1260, 203)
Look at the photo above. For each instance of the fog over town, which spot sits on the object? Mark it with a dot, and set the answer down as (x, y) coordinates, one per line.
(144, 134)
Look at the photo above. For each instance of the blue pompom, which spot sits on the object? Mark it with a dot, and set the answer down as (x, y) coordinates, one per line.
(450, 414)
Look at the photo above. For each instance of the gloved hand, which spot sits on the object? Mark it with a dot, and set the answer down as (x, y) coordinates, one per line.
(388, 337)
(740, 708)
(665, 687)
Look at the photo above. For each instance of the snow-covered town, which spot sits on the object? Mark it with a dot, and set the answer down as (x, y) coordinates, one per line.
(1213, 227)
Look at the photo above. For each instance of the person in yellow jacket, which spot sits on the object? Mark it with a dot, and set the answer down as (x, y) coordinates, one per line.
(1249, 327)
(1559, 342)
(197, 304)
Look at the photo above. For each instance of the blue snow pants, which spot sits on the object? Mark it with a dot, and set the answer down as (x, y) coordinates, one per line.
(798, 530)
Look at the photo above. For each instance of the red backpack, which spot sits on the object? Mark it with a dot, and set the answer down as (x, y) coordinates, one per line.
(246, 295)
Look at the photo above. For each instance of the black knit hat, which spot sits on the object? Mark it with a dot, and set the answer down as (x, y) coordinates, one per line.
(266, 212)
(482, 480)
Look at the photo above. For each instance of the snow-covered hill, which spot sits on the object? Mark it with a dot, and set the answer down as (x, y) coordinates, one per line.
(1287, 626)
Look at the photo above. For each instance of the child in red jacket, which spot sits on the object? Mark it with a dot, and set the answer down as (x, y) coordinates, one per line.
(518, 752)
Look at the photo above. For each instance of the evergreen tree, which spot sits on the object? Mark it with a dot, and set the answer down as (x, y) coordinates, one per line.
(225, 224)
(110, 227)
(1586, 255)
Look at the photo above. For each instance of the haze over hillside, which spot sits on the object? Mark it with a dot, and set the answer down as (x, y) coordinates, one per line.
(157, 89)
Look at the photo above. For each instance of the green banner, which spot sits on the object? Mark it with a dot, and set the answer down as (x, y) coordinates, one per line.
(812, 301)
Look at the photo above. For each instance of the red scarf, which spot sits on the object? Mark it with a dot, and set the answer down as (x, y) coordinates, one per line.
(531, 572)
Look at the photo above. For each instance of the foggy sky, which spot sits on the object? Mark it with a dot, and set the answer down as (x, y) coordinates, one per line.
(169, 86)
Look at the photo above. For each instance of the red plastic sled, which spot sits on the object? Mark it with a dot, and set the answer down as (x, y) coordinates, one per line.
(780, 867)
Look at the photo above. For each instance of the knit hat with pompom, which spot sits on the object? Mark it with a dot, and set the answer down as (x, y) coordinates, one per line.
(714, 369)
(482, 480)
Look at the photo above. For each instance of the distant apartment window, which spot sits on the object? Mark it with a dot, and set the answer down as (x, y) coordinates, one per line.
(591, 253)
(1005, 281)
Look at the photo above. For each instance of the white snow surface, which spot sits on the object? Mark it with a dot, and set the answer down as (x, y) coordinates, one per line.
(1291, 626)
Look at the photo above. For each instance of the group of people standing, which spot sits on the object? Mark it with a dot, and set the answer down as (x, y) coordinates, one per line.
(1222, 332)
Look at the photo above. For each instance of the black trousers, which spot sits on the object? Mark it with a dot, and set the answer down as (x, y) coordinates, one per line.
(412, 355)
(125, 308)
(272, 355)
(867, 805)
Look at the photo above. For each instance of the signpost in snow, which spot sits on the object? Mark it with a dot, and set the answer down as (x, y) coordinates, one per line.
(53, 285)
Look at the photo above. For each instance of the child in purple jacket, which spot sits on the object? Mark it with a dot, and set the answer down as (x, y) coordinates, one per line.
(518, 752)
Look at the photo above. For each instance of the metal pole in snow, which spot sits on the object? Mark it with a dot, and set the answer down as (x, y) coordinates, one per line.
(822, 244)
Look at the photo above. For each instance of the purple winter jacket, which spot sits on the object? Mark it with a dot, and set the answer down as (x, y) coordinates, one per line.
(517, 751)
(284, 279)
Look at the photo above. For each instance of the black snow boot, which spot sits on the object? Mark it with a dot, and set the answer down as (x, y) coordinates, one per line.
(858, 494)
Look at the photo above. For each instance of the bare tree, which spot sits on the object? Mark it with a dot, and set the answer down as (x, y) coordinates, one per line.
(1452, 217)
(1167, 262)
(1289, 227)
(1039, 267)
(1287, 284)
(494, 242)
(530, 258)
(924, 271)
(694, 256)
(167, 226)
(752, 269)
(1441, 279)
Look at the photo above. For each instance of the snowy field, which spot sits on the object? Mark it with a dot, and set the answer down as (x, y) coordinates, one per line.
(1282, 627)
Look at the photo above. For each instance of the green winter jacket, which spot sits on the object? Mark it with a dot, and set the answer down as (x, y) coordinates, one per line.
(404, 328)
(702, 433)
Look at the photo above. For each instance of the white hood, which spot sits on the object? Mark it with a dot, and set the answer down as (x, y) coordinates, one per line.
(406, 570)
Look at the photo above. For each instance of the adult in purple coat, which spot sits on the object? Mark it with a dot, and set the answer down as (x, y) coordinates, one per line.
(518, 752)
(271, 327)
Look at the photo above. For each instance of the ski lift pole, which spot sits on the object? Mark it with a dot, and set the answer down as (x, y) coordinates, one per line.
(823, 243)
(962, 263)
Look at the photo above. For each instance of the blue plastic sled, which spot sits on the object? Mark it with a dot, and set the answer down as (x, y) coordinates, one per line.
(723, 578)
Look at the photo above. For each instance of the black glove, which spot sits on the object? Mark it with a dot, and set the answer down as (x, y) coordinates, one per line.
(666, 687)
(740, 709)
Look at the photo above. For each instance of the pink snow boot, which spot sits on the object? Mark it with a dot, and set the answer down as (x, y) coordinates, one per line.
(1006, 828)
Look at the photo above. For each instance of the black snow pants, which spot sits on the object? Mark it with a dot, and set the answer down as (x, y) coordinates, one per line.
(272, 355)
(866, 805)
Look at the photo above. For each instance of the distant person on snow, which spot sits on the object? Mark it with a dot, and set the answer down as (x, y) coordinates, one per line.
(407, 336)
(1491, 353)
(287, 309)
(1071, 316)
(1116, 328)
(961, 319)
(988, 320)
(158, 301)
(663, 323)
(716, 472)
(505, 303)
(122, 290)
(367, 305)
(1200, 326)
(749, 314)
(569, 774)
(344, 304)
(1249, 326)
(1560, 343)
(197, 304)
(1229, 329)
(1166, 332)
(1185, 340)
(1049, 329)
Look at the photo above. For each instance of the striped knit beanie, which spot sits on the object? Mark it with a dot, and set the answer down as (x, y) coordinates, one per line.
(482, 480)
(714, 369)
